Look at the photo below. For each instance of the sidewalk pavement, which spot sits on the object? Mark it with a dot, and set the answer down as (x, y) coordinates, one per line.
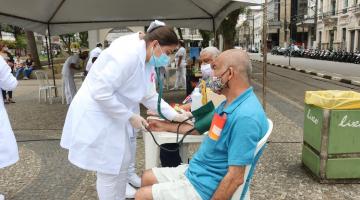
(44, 172)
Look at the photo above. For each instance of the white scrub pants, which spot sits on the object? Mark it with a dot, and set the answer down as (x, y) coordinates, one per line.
(180, 76)
(131, 169)
(69, 88)
(111, 186)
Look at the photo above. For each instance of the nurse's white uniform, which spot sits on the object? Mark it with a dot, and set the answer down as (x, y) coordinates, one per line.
(69, 86)
(93, 53)
(8, 147)
(97, 127)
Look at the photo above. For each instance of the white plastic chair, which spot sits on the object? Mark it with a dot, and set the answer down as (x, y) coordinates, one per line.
(260, 146)
(44, 86)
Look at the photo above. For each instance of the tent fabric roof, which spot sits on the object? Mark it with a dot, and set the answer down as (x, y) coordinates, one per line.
(65, 16)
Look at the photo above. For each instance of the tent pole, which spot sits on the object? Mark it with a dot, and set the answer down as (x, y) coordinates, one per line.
(50, 57)
(214, 31)
(264, 38)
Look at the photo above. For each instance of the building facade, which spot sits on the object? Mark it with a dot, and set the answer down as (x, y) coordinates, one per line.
(338, 25)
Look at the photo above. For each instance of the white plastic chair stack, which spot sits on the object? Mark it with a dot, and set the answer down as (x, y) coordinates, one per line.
(44, 86)
(260, 145)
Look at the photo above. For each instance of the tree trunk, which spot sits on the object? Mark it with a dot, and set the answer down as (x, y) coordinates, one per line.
(227, 28)
(31, 47)
(206, 35)
(180, 33)
(84, 39)
(67, 41)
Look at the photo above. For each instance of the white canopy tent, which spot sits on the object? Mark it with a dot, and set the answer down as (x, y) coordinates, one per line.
(54, 17)
(65, 16)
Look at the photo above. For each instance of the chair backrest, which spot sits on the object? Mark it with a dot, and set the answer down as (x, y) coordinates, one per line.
(42, 79)
(242, 192)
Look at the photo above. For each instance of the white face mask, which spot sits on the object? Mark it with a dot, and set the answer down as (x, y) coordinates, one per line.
(206, 71)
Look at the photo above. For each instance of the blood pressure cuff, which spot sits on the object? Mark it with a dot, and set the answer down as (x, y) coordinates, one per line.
(203, 117)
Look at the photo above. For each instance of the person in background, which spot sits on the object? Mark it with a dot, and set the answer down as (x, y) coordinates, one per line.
(7, 95)
(180, 63)
(19, 67)
(71, 64)
(93, 54)
(29, 66)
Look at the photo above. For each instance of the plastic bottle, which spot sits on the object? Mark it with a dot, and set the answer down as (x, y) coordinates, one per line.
(196, 98)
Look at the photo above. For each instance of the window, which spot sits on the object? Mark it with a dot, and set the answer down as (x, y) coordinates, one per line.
(333, 6)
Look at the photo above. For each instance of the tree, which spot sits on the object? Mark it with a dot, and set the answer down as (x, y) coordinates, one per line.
(84, 39)
(227, 28)
(32, 47)
(206, 35)
(66, 38)
(180, 33)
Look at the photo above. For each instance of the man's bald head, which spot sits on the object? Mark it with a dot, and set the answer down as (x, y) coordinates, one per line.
(237, 59)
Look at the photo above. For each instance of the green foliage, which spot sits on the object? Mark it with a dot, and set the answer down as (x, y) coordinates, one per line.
(75, 45)
(66, 38)
(227, 27)
(21, 42)
(9, 44)
(84, 39)
(206, 36)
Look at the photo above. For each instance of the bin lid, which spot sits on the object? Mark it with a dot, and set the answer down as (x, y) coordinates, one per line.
(333, 99)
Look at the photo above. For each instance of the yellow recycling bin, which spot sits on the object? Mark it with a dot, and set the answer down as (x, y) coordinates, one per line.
(331, 148)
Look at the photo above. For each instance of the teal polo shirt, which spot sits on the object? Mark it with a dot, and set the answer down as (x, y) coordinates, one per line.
(246, 123)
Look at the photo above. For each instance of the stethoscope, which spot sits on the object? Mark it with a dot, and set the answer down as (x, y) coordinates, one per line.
(178, 142)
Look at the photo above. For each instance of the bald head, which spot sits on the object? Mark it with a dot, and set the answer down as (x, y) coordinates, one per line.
(237, 59)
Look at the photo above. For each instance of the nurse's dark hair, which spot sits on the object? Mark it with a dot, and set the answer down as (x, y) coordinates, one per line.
(165, 35)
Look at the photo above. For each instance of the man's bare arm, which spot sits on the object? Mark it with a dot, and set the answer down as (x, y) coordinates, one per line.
(159, 125)
(232, 180)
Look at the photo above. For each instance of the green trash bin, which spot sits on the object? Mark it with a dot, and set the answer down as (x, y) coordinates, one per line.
(331, 148)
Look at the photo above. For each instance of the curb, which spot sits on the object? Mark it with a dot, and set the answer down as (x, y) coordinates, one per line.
(334, 78)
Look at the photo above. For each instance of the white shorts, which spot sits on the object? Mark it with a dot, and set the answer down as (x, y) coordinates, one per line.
(173, 184)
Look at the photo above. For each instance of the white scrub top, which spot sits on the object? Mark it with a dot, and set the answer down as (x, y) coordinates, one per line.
(8, 147)
(93, 53)
(97, 123)
(69, 86)
(181, 52)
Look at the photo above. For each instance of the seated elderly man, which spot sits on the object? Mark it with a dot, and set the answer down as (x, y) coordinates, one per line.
(217, 168)
(207, 57)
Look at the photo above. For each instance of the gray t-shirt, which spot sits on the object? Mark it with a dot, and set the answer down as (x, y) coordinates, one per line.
(181, 52)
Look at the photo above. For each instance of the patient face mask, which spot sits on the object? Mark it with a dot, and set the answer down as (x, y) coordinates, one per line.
(161, 61)
(216, 84)
(206, 71)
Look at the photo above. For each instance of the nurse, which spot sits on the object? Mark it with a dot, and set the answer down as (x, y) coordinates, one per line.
(71, 64)
(8, 147)
(105, 111)
(93, 54)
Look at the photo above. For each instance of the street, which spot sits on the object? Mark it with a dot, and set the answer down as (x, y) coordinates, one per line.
(337, 69)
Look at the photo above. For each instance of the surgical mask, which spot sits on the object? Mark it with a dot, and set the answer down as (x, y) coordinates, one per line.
(161, 61)
(206, 71)
(216, 84)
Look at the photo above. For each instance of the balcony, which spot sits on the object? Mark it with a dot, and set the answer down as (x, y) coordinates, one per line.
(357, 10)
(330, 17)
(330, 14)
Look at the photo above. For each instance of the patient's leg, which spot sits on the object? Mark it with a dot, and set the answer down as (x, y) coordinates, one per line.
(148, 178)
